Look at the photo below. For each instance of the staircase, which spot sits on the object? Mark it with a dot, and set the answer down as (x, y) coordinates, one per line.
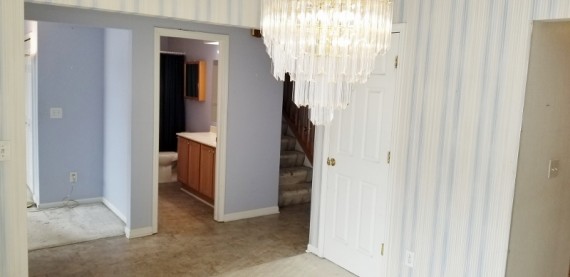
(294, 178)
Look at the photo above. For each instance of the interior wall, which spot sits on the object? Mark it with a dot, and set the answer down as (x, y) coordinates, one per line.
(117, 121)
(540, 232)
(198, 114)
(464, 74)
(70, 76)
(254, 109)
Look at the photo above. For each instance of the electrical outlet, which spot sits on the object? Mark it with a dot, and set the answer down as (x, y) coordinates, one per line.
(73, 177)
(5, 150)
(56, 113)
(409, 259)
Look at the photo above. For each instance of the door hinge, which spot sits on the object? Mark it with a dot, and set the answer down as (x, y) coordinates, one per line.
(389, 157)
(382, 250)
(396, 62)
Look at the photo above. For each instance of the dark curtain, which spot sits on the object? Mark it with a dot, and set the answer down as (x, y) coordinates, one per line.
(172, 115)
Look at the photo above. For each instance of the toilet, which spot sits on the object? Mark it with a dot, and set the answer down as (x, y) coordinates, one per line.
(167, 167)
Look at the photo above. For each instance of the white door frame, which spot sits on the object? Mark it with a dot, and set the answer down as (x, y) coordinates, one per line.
(321, 171)
(223, 86)
(32, 104)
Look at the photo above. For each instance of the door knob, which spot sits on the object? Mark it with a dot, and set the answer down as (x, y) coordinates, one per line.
(331, 161)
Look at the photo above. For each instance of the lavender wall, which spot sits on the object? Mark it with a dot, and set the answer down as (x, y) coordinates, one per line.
(70, 76)
(117, 116)
(198, 114)
(254, 110)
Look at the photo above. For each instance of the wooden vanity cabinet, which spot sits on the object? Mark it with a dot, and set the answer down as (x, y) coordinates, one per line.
(207, 170)
(193, 165)
(182, 160)
(196, 168)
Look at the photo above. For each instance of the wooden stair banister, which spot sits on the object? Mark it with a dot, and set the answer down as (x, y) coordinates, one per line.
(298, 119)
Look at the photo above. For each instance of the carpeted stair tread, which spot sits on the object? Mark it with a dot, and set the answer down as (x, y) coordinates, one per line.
(291, 158)
(296, 186)
(295, 196)
(288, 143)
(294, 178)
(295, 175)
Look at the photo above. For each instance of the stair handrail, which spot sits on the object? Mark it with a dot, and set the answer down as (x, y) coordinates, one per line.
(298, 119)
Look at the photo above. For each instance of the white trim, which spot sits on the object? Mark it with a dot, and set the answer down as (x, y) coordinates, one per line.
(323, 191)
(35, 130)
(223, 88)
(197, 197)
(314, 250)
(114, 209)
(251, 213)
(138, 233)
(60, 204)
(395, 141)
(156, 119)
(316, 193)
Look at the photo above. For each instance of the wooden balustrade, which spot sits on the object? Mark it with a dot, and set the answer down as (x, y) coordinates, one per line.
(298, 119)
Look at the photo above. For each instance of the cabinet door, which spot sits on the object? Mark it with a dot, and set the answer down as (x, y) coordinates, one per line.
(194, 165)
(182, 160)
(207, 170)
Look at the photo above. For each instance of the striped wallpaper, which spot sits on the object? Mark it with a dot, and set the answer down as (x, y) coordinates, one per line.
(13, 235)
(464, 73)
(243, 13)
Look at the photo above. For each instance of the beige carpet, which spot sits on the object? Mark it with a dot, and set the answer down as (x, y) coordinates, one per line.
(62, 226)
(305, 265)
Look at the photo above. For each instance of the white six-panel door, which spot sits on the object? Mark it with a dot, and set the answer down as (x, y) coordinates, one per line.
(356, 186)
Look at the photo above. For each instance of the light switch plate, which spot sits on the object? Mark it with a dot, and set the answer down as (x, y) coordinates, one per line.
(56, 113)
(409, 259)
(553, 168)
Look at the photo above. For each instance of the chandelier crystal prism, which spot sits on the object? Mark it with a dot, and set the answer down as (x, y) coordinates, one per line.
(326, 46)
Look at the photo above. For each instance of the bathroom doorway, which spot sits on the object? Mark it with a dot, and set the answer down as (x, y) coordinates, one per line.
(204, 98)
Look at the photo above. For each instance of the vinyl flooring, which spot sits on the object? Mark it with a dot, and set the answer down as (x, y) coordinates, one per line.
(189, 243)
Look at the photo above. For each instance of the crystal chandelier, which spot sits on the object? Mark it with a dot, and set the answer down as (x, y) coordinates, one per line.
(326, 46)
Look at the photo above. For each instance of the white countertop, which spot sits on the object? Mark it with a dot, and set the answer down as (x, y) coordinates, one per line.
(206, 138)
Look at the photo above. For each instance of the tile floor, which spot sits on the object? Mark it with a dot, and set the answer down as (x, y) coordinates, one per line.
(189, 243)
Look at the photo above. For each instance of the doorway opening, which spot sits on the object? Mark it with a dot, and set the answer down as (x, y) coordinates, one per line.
(193, 152)
(78, 138)
(539, 243)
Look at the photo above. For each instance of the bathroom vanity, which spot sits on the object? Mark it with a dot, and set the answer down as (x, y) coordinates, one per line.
(197, 164)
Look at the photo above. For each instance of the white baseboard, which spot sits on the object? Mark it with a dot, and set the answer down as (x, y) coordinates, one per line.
(314, 250)
(250, 214)
(137, 233)
(115, 210)
(62, 203)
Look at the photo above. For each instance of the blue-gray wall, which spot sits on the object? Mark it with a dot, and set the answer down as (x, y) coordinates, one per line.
(254, 109)
(117, 121)
(70, 76)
